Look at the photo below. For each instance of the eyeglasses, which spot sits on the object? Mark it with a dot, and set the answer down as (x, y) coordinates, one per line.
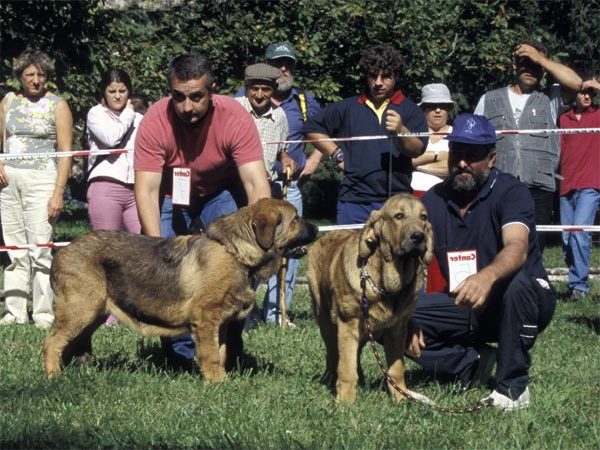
(433, 106)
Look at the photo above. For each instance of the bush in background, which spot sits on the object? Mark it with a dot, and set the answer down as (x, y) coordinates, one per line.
(467, 45)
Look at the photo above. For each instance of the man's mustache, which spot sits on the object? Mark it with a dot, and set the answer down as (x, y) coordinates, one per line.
(464, 170)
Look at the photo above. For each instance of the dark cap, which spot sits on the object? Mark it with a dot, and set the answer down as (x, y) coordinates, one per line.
(472, 129)
(280, 50)
(263, 72)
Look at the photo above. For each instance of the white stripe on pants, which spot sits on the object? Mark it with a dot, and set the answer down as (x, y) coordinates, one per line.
(24, 212)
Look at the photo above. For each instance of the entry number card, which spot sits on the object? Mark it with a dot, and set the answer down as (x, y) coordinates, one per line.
(182, 184)
(461, 265)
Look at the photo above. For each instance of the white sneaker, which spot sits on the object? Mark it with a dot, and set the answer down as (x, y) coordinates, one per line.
(42, 324)
(506, 403)
(289, 324)
(9, 319)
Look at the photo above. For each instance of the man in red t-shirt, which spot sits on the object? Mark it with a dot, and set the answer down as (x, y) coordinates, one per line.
(580, 189)
(197, 156)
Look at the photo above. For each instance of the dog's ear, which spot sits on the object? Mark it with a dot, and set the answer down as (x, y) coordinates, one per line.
(369, 235)
(429, 239)
(264, 225)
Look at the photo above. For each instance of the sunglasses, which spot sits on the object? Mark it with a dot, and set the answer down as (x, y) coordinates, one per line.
(434, 106)
(589, 92)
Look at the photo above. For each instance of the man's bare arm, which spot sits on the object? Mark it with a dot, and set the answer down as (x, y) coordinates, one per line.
(254, 180)
(147, 188)
(326, 148)
(409, 146)
(565, 76)
(312, 162)
(475, 289)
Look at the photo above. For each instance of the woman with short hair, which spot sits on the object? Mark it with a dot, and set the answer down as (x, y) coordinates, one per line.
(432, 166)
(34, 120)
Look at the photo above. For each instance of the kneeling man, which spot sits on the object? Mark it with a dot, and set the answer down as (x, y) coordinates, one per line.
(497, 289)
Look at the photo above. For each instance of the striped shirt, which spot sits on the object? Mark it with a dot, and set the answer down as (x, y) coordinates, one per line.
(272, 126)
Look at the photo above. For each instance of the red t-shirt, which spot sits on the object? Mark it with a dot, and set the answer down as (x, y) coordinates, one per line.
(226, 139)
(580, 153)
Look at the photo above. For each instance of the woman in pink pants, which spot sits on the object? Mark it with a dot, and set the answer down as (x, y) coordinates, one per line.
(112, 124)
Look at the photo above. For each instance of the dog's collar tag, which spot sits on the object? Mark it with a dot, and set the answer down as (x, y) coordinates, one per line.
(182, 186)
(461, 265)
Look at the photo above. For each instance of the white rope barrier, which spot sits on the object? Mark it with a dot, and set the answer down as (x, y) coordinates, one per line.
(440, 133)
(12, 157)
(326, 228)
(550, 228)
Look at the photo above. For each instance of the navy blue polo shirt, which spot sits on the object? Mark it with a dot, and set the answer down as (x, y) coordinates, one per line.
(366, 163)
(501, 201)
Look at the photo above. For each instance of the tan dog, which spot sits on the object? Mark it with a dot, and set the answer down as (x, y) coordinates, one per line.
(393, 245)
(197, 284)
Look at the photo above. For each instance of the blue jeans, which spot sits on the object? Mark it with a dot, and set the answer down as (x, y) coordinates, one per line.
(272, 301)
(578, 207)
(350, 213)
(177, 220)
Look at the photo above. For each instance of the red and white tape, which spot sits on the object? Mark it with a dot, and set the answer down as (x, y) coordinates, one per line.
(356, 226)
(11, 157)
(5, 248)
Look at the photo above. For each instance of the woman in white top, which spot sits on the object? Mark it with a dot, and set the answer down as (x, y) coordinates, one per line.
(112, 124)
(432, 166)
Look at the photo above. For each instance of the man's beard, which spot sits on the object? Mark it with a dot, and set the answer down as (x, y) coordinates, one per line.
(285, 86)
(471, 185)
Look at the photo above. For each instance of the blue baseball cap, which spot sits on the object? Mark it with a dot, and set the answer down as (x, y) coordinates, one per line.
(472, 129)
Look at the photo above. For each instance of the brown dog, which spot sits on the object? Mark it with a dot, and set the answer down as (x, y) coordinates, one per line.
(166, 287)
(393, 245)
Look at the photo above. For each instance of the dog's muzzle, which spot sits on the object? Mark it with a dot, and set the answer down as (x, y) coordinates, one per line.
(297, 248)
(415, 244)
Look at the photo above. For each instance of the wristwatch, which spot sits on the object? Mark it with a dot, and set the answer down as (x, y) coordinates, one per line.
(337, 156)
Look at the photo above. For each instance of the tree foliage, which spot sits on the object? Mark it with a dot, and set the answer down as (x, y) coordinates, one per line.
(468, 45)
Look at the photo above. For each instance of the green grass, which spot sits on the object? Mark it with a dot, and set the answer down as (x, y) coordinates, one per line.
(125, 398)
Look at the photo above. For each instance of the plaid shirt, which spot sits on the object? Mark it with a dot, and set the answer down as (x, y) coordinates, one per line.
(272, 127)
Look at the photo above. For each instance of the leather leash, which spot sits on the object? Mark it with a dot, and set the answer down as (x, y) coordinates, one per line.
(364, 306)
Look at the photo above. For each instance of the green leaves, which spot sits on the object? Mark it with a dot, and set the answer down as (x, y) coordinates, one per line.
(467, 45)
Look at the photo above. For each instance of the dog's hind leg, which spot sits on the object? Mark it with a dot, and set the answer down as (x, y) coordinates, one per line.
(53, 348)
(80, 348)
(70, 338)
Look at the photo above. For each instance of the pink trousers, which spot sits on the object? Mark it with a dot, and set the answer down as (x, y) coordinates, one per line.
(110, 206)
